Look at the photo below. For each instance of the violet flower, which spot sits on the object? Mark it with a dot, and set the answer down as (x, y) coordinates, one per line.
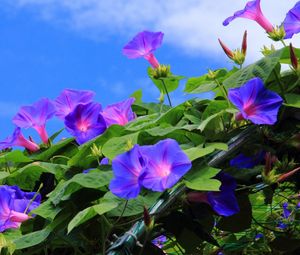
(291, 22)
(85, 122)
(165, 164)
(119, 113)
(223, 202)
(255, 102)
(66, 102)
(15, 206)
(159, 241)
(142, 45)
(252, 11)
(127, 168)
(242, 161)
(35, 116)
(17, 139)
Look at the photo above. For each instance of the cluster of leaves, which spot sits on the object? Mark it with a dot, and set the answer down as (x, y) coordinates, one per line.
(79, 215)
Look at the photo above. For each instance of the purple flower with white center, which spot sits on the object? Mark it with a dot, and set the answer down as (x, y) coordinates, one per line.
(85, 122)
(119, 113)
(35, 116)
(127, 168)
(15, 206)
(242, 161)
(66, 102)
(142, 45)
(252, 11)
(291, 22)
(17, 139)
(255, 102)
(223, 202)
(159, 241)
(165, 164)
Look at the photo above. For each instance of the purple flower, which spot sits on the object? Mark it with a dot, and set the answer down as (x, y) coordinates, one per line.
(85, 122)
(104, 161)
(242, 161)
(223, 202)
(165, 164)
(15, 206)
(119, 113)
(66, 102)
(17, 139)
(159, 241)
(255, 102)
(35, 116)
(291, 22)
(142, 45)
(252, 11)
(285, 211)
(127, 168)
(258, 236)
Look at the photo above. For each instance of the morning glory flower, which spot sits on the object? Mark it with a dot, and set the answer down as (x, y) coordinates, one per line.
(119, 113)
(252, 11)
(17, 139)
(15, 206)
(142, 45)
(85, 122)
(35, 116)
(127, 168)
(159, 241)
(291, 22)
(242, 161)
(255, 102)
(223, 202)
(165, 164)
(66, 102)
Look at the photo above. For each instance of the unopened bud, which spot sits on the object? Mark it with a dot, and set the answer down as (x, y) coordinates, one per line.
(96, 151)
(283, 177)
(129, 145)
(270, 161)
(227, 51)
(147, 219)
(244, 43)
(238, 57)
(277, 34)
(293, 57)
(211, 74)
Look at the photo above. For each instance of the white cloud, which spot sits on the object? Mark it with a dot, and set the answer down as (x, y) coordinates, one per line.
(191, 25)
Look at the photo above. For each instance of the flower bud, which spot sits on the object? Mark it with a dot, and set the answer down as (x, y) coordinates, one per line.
(162, 71)
(283, 177)
(267, 51)
(211, 74)
(293, 57)
(227, 51)
(244, 43)
(147, 219)
(96, 151)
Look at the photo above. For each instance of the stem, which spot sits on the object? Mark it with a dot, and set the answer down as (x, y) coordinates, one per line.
(34, 197)
(282, 41)
(223, 91)
(145, 241)
(280, 85)
(164, 85)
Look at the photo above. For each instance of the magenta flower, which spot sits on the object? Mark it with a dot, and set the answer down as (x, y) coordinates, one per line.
(17, 139)
(142, 45)
(255, 102)
(127, 168)
(69, 99)
(223, 202)
(35, 116)
(15, 206)
(85, 122)
(291, 22)
(165, 164)
(252, 11)
(119, 113)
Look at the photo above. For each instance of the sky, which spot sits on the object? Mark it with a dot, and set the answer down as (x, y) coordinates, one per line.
(49, 45)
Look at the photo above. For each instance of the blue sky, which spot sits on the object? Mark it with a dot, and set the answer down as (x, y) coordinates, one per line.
(51, 45)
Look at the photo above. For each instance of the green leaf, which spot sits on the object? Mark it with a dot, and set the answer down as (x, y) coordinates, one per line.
(138, 94)
(262, 68)
(32, 239)
(200, 179)
(91, 212)
(293, 100)
(205, 122)
(15, 156)
(47, 210)
(118, 145)
(92, 180)
(26, 176)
